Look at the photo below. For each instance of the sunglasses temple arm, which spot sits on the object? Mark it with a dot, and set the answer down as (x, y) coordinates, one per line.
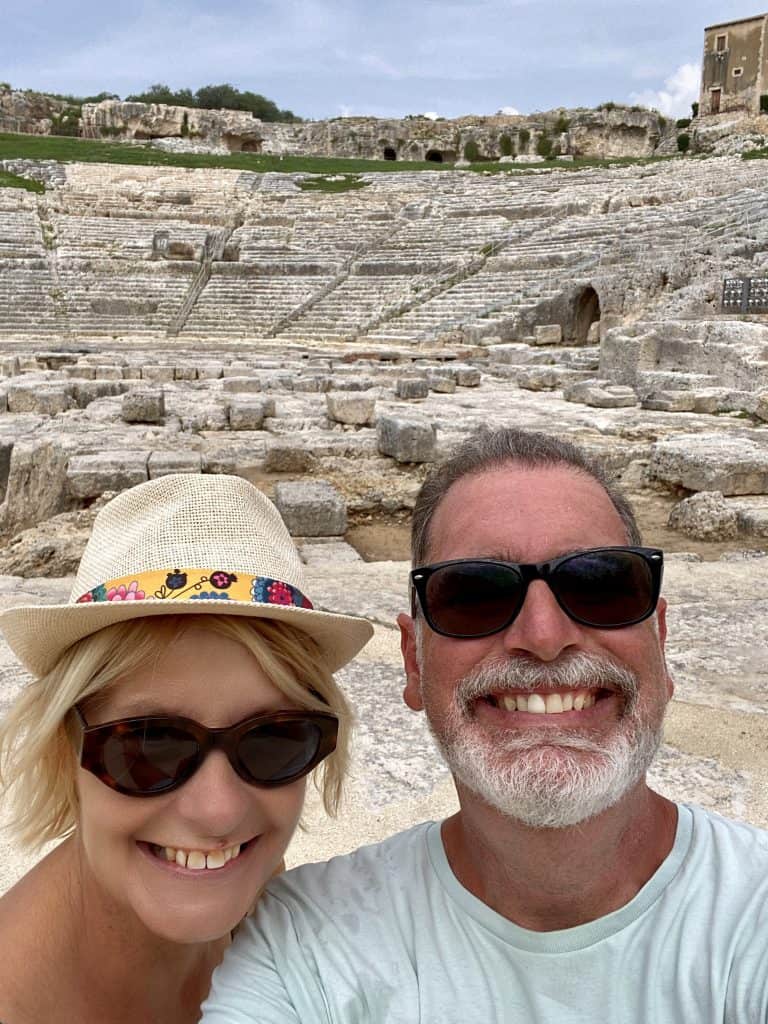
(80, 727)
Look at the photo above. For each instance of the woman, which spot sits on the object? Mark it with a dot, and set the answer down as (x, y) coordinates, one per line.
(180, 700)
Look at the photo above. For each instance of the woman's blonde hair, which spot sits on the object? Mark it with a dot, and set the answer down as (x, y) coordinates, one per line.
(38, 762)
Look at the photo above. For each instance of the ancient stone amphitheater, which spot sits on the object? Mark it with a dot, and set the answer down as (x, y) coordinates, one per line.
(330, 345)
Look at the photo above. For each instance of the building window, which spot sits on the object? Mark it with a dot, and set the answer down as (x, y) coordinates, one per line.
(720, 43)
(738, 72)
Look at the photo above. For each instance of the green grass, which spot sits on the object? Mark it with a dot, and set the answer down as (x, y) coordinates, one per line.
(66, 149)
(8, 180)
(755, 154)
(334, 183)
(63, 149)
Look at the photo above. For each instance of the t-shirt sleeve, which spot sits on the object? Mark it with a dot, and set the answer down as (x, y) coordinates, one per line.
(252, 985)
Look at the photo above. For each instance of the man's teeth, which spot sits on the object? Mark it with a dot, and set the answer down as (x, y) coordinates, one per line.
(196, 860)
(548, 704)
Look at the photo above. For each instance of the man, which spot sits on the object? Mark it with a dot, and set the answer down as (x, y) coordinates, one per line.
(564, 890)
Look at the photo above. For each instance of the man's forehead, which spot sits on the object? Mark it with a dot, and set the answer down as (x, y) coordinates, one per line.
(499, 513)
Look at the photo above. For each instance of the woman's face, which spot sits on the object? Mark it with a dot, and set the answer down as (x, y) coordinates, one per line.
(123, 839)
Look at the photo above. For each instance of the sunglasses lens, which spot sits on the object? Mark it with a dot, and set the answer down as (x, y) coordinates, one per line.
(149, 758)
(473, 598)
(605, 588)
(279, 752)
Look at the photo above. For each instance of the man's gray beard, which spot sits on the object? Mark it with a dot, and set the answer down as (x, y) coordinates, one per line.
(546, 778)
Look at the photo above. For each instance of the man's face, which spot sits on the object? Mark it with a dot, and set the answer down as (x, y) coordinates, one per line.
(545, 766)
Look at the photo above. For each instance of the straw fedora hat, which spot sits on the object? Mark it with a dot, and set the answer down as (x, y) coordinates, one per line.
(185, 544)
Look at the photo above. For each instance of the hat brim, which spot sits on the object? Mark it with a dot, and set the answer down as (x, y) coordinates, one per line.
(40, 634)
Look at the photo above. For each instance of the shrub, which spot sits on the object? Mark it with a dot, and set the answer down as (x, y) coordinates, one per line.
(67, 122)
(662, 122)
(764, 103)
(695, 109)
(683, 122)
(610, 105)
(185, 125)
(683, 142)
(562, 124)
(544, 147)
(471, 152)
(506, 146)
(523, 137)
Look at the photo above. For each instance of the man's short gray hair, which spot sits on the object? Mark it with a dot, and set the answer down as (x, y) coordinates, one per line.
(486, 450)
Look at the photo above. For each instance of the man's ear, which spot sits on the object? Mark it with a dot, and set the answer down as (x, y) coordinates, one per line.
(661, 621)
(412, 691)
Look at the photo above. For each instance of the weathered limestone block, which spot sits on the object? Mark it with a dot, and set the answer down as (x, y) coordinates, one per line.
(209, 371)
(670, 401)
(144, 405)
(88, 476)
(33, 481)
(46, 398)
(734, 464)
(354, 407)
(239, 370)
(753, 519)
(406, 440)
(311, 508)
(441, 383)
(322, 550)
(287, 456)
(411, 388)
(80, 371)
(9, 366)
(240, 385)
(158, 374)
(246, 413)
(548, 378)
(512, 354)
(313, 384)
(185, 373)
(600, 394)
(705, 516)
(87, 391)
(163, 463)
(761, 408)
(465, 376)
(108, 371)
(3, 400)
(548, 334)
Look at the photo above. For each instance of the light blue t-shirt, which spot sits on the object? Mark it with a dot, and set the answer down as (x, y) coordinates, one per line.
(388, 935)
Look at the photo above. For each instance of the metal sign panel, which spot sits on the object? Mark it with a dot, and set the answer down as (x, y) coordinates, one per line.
(745, 295)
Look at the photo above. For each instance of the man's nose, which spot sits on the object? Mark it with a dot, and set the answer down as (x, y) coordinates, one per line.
(542, 629)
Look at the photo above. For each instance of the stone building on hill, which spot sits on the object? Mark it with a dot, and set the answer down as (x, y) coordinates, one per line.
(735, 66)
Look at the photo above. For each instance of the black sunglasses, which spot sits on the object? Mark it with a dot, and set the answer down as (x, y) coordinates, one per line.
(607, 588)
(155, 754)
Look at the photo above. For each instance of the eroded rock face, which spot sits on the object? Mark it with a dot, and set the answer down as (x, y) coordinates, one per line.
(28, 111)
(237, 129)
(605, 132)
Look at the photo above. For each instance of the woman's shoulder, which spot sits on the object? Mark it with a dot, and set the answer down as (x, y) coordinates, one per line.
(27, 930)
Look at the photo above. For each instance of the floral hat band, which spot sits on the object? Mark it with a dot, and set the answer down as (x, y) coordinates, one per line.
(200, 584)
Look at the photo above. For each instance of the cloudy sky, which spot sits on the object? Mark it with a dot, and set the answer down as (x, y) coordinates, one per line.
(325, 58)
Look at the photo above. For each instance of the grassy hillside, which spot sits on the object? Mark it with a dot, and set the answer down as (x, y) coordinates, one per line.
(64, 149)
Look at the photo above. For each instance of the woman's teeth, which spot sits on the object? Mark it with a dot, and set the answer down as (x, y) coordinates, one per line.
(196, 860)
(548, 704)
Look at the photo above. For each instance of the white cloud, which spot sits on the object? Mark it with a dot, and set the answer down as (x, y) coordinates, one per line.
(680, 90)
(431, 115)
(508, 111)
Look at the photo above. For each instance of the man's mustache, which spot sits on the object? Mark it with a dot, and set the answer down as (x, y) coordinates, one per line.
(570, 672)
